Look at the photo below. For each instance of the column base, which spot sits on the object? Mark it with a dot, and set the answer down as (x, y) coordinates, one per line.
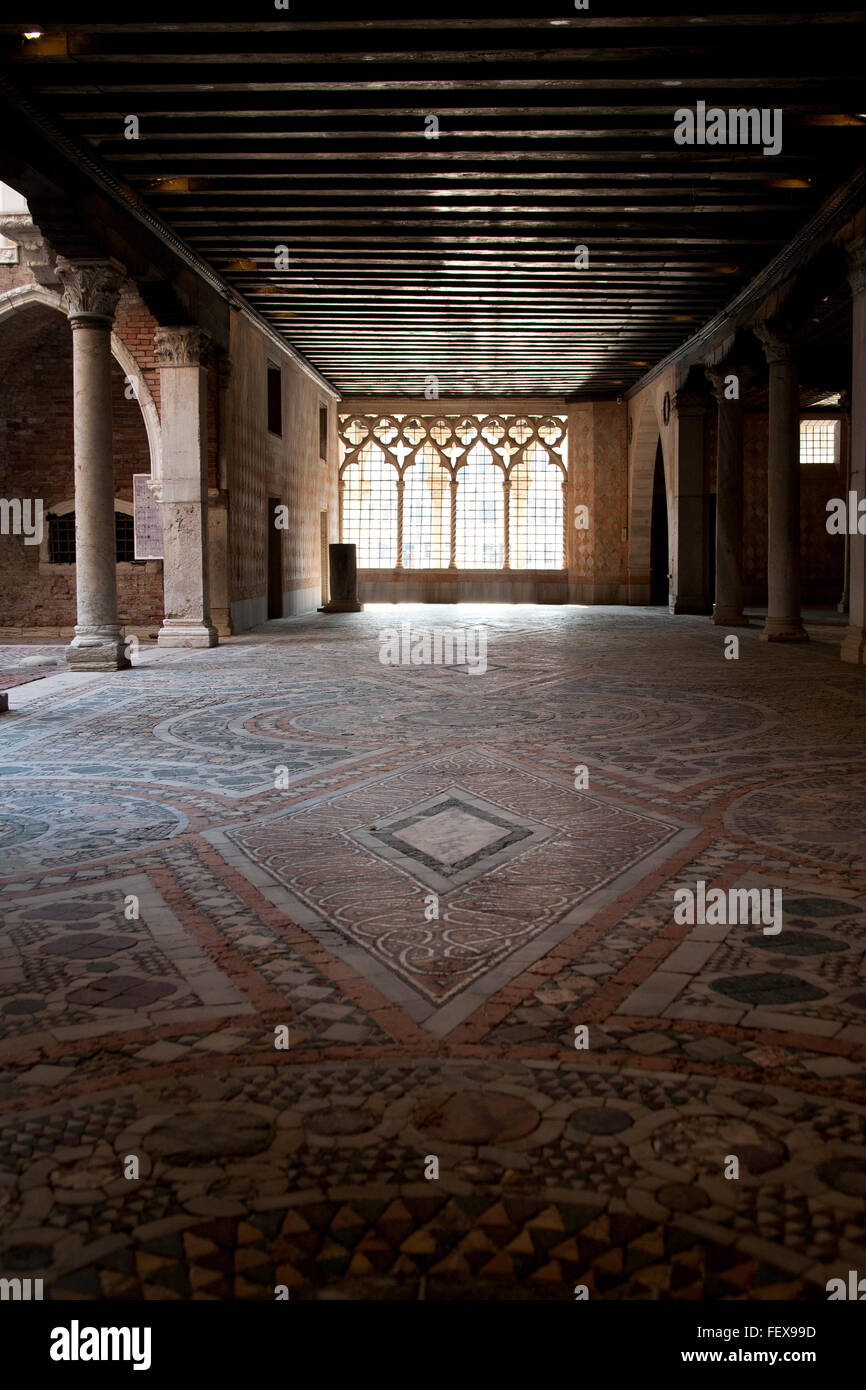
(784, 630)
(853, 647)
(341, 605)
(697, 607)
(222, 621)
(97, 649)
(728, 617)
(186, 632)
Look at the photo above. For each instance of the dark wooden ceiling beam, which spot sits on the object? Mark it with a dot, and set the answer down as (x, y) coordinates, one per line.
(456, 256)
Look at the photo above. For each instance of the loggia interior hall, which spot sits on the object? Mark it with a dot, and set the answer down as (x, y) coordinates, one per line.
(433, 627)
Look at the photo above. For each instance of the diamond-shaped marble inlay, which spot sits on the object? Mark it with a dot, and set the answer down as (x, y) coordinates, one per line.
(517, 861)
(452, 838)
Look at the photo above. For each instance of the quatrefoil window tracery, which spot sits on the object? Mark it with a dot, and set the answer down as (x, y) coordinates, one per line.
(509, 438)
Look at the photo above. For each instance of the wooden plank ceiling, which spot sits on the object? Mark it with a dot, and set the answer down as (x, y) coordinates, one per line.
(412, 257)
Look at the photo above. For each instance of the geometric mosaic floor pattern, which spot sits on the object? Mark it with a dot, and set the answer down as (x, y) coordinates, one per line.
(388, 1000)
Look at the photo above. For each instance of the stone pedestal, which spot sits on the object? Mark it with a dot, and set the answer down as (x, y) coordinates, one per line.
(854, 641)
(343, 571)
(728, 604)
(784, 623)
(182, 488)
(91, 292)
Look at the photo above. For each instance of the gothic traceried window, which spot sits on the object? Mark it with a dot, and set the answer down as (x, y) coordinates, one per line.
(426, 512)
(369, 515)
(536, 505)
(438, 491)
(480, 512)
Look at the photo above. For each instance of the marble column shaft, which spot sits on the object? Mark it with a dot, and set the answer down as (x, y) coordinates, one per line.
(687, 548)
(728, 605)
(784, 622)
(854, 641)
(91, 291)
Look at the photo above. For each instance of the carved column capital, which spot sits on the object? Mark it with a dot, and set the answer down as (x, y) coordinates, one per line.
(181, 347)
(855, 252)
(37, 253)
(778, 346)
(689, 403)
(718, 376)
(91, 289)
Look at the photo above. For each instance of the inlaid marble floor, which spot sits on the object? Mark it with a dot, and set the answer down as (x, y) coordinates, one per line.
(441, 883)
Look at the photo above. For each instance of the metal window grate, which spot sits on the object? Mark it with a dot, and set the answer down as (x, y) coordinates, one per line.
(369, 511)
(819, 441)
(61, 538)
(426, 513)
(480, 512)
(124, 536)
(536, 503)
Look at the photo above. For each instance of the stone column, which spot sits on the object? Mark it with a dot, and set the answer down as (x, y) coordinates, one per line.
(218, 511)
(183, 488)
(91, 291)
(845, 446)
(854, 641)
(687, 580)
(728, 604)
(784, 623)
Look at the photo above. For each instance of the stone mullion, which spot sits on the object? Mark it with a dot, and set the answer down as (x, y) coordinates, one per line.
(452, 563)
(565, 521)
(506, 509)
(401, 486)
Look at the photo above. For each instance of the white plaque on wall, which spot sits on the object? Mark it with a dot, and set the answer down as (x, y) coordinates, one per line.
(148, 519)
(8, 251)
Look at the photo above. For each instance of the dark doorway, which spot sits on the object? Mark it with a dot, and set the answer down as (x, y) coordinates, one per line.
(659, 553)
(275, 561)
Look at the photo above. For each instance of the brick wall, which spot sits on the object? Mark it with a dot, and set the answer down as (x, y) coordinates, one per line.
(36, 460)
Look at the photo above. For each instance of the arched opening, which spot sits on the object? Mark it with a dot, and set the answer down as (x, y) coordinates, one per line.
(659, 538)
(37, 572)
(646, 449)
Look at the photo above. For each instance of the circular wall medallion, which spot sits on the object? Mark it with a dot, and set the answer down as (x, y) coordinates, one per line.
(666, 408)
